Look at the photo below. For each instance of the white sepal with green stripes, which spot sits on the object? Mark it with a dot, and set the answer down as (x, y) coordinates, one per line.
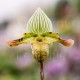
(39, 23)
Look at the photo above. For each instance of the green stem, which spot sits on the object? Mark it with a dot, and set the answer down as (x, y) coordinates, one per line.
(41, 71)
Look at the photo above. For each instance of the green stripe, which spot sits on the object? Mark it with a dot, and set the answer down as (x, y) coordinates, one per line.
(39, 23)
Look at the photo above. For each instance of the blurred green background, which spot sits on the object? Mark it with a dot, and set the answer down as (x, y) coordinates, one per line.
(18, 63)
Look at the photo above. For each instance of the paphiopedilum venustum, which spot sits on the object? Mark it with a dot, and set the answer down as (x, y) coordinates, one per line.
(40, 36)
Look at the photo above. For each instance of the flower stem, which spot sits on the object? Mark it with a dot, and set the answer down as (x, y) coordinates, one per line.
(41, 71)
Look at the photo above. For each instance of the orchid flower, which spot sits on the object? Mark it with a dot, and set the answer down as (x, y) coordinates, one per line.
(40, 36)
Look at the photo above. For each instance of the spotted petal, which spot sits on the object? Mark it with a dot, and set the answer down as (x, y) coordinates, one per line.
(54, 37)
(27, 38)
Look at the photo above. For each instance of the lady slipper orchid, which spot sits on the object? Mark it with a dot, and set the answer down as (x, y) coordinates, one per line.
(40, 36)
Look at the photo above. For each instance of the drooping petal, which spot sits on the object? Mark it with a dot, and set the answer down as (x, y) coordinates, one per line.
(67, 43)
(50, 37)
(14, 43)
(27, 38)
(50, 34)
(39, 23)
(54, 37)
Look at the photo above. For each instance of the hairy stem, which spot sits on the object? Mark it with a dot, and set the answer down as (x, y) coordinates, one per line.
(41, 71)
